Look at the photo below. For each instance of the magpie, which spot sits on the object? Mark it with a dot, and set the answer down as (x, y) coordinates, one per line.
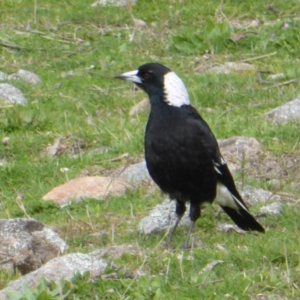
(181, 152)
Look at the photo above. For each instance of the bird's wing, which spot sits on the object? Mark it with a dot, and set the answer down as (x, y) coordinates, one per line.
(227, 195)
(208, 139)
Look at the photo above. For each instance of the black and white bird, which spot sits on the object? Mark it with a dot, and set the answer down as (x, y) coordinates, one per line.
(181, 152)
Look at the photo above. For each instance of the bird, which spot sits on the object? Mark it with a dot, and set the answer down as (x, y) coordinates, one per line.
(181, 152)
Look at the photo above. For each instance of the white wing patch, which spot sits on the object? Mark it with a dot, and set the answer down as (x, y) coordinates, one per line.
(175, 90)
(217, 165)
(225, 198)
(217, 169)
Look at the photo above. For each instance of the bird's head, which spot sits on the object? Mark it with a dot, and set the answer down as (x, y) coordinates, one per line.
(160, 83)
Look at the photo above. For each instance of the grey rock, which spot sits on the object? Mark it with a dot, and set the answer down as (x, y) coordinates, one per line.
(136, 174)
(285, 113)
(162, 217)
(11, 95)
(3, 76)
(228, 67)
(26, 244)
(239, 146)
(26, 76)
(245, 154)
(271, 209)
(239, 150)
(119, 3)
(253, 195)
(64, 267)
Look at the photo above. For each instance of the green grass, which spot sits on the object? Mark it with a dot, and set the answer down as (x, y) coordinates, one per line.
(90, 109)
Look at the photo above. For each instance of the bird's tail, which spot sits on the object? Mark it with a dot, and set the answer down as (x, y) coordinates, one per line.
(233, 204)
(231, 201)
(243, 219)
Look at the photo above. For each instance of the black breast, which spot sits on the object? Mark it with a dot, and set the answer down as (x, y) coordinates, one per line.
(177, 157)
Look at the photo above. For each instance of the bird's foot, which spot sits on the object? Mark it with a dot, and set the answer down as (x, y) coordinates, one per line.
(196, 243)
(186, 247)
(168, 246)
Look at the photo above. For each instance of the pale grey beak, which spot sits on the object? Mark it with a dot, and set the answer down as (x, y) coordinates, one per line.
(130, 76)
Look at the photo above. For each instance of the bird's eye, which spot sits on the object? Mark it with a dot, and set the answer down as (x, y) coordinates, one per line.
(146, 76)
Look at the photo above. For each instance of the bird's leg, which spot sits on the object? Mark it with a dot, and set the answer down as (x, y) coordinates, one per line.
(180, 210)
(194, 215)
(186, 244)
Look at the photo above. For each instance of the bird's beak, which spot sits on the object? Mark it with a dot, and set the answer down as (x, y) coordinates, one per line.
(130, 76)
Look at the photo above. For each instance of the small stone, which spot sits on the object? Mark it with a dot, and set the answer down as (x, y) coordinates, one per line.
(209, 109)
(69, 74)
(275, 77)
(134, 121)
(210, 266)
(221, 247)
(227, 228)
(252, 195)
(3, 162)
(136, 173)
(285, 113)
(11, 95)
(26, 76)
(271, 209)
(3, 76)
(53, 149)
(119, 3)
(254, 23)
(5, 141)
(139, 24)
(275, 183)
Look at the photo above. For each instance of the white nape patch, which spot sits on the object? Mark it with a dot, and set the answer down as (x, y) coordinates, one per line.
(225, 198)
(175, 91)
